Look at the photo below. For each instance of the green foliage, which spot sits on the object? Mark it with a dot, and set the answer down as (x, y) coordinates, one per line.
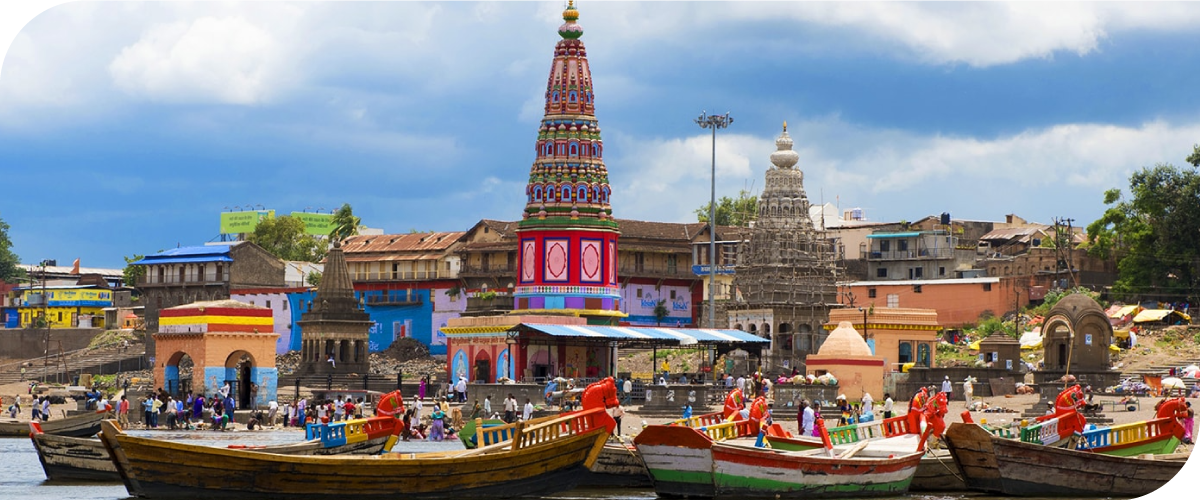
(661, 311)
(313, 278)
(133, 274)
(10, 270)
(345, 224)
(732, 212)
(991, 325)
(487, 295)
(1155, 235)
(284, 237)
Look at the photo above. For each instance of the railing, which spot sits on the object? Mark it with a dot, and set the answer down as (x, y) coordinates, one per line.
(1043, 433)
(568, 425)
(173, 279)
(728, 430)
(1126, 433)
(399, 275)
(699, 421)
(490, 271)
(667, 271)
(858, 432)
(924, 253)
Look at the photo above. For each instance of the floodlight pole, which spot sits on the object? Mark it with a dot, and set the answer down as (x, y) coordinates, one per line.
(713, 122)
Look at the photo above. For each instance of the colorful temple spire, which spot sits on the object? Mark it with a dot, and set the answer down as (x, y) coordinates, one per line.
(567, 262)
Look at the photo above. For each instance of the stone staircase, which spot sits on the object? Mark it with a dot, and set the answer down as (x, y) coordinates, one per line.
(66, 367)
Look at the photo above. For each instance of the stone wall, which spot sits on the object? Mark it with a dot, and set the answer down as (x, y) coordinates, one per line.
(671, 398)
(28, 343)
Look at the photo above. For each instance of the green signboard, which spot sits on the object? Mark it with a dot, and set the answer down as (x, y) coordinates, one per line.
(315, 224)
(243, 222)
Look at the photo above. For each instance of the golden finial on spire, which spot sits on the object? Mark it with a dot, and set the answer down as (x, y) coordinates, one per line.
(785, 125)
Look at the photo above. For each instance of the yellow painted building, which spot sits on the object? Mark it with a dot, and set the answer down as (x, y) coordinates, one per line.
(65, 306)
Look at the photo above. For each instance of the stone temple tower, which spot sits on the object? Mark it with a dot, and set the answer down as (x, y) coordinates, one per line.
(335, 327)
(787, 273)
(567, 259)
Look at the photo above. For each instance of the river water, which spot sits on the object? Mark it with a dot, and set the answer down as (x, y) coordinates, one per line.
(21, 475)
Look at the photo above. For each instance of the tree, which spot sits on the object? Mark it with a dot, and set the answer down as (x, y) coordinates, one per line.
(313, 278)
(345, 224)
(133, 274)
(732, 212)
(661, 311)
(284, 237)
(10, 264)
(1155, 235)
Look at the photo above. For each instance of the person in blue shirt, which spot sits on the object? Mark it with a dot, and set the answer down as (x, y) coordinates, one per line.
(687, 410)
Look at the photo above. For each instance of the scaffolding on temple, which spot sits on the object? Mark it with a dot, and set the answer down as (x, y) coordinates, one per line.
(787, 272)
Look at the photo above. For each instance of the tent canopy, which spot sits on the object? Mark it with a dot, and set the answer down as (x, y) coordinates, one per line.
(1150, 315)
(640, 335)
(1123, 311)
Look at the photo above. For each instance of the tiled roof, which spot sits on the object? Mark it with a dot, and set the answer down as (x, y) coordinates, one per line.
(683, 231)
(390, 243)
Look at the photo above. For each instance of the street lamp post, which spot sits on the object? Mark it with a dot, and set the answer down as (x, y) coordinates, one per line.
(713, 122)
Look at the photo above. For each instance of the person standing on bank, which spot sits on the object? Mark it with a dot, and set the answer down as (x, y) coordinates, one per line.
(617, 413)
(887, 406)
(947, 387)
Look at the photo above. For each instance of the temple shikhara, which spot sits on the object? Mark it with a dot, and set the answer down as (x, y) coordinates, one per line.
(567, 261)
(567, 302)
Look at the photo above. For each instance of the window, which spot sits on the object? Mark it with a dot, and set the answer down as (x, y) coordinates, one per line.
(902, 245)
(672, 294)
(285, 306)
(639, 293)
(987, 287)
(268, 304)
(893, 300)
(919, 272)
(941, 271)
(916, 288)
(905, 352)
(884, 245)
(881, 272)
(870, 293)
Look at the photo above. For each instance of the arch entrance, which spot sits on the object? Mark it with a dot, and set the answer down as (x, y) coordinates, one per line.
(204, 345)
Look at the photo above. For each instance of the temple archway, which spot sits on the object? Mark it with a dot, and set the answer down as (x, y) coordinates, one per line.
(177, 374)
(239, 374)
(483, 367)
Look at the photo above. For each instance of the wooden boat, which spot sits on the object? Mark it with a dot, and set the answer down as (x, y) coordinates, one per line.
(619, 465)
(1159, 436)
(679, 459)
(86, 459)
(1012, 467)
(741, 471)
(541, 459)
(81, 425)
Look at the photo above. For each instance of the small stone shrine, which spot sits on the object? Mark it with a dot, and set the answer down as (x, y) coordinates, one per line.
(335, 330)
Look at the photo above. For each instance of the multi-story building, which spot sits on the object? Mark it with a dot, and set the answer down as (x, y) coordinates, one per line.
(916, 255)
(64, 306)
(184, 275)
(408, 284)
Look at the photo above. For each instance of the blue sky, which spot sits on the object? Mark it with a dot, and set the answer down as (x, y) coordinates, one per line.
(127, 127)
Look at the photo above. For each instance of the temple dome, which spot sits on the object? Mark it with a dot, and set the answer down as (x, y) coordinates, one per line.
(784, 157)
(845, 342)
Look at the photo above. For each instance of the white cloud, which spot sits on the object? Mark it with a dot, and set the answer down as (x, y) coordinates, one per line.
(667, 178)
(225, 60)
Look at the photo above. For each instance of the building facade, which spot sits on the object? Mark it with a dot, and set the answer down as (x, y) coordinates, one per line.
(185, 275)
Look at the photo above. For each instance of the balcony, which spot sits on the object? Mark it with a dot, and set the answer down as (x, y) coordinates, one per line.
(488, 272)
(174, 280)
(498, 304)
(399, 276)
(919, 254)
(661, 271)
(394, 298)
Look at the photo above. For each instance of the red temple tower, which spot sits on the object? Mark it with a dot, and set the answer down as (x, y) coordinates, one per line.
(567, 262)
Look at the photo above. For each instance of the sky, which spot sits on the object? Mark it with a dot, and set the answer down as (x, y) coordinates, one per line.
(127, 127)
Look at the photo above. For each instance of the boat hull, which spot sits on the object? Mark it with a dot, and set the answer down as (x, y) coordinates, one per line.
(747, 472)
(82, 425)
(618, 466)
(1024, 469)
(937, 472)
(678, 459)
(156, 469)
(85, 459)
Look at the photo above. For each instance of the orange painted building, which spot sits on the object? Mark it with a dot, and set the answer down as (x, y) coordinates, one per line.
(958, 302)
(845, 355)
(227, 342)
(896, 335)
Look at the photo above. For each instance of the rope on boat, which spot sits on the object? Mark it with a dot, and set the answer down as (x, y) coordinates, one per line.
(940, 461)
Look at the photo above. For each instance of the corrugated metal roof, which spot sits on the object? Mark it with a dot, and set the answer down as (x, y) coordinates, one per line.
(894, 235)
(207, 253)
(1010, 233)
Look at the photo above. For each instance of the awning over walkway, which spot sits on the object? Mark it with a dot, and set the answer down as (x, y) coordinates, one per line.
(642, 335)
